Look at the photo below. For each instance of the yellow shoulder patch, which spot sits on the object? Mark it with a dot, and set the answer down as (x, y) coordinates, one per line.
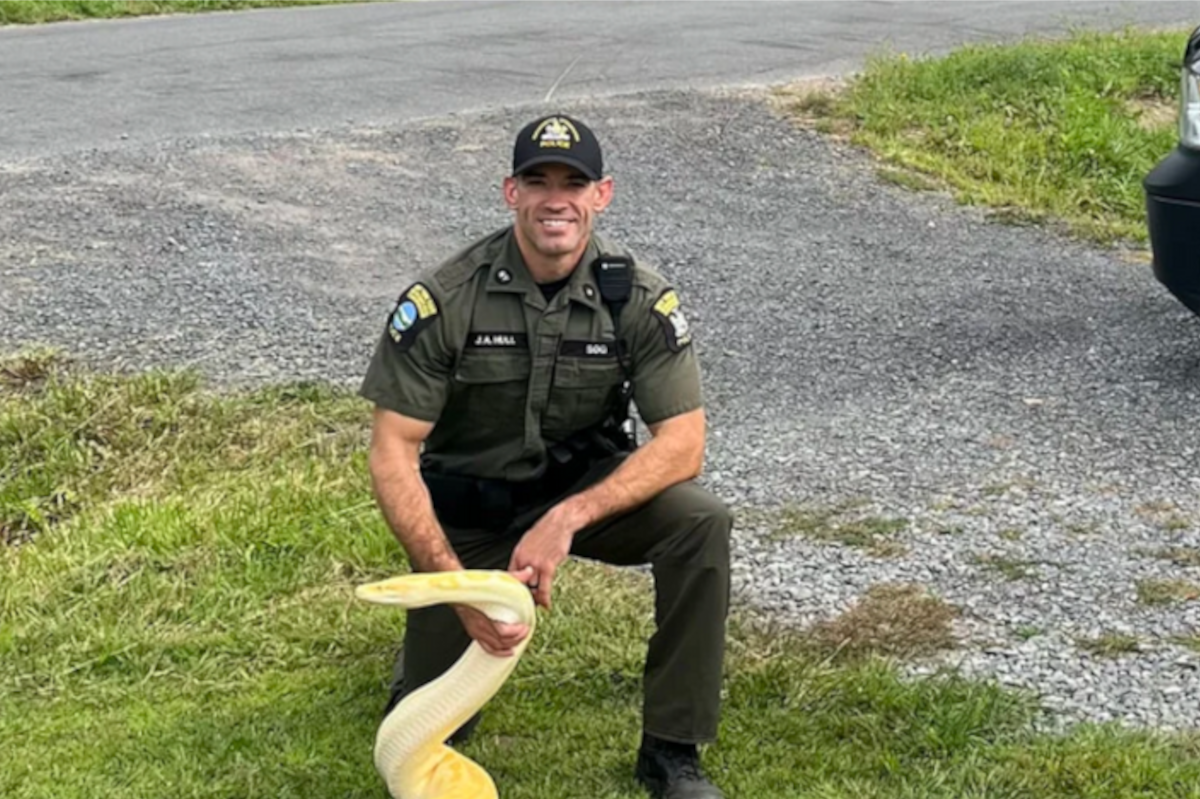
(670, 315)
(414, 311)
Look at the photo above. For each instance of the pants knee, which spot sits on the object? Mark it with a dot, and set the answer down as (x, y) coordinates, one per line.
(703, 533)
(715, 527)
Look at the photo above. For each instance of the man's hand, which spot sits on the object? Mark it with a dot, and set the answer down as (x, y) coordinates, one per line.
(496, 638)
(543, 548)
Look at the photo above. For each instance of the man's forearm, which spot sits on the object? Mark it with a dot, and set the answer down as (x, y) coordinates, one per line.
(649, 470)
(405, 502)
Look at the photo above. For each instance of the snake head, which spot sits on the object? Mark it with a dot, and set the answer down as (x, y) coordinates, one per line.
(486, 590)
(393, 591)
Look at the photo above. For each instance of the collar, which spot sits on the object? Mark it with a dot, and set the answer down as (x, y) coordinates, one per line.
(508, 274)
(582, 288)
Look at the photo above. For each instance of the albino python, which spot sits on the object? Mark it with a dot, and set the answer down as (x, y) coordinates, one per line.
(409, 751)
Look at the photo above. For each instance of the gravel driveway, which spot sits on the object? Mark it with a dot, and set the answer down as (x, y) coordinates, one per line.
(1014, 397)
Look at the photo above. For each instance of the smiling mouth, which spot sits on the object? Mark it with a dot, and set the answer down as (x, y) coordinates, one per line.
(555, 224)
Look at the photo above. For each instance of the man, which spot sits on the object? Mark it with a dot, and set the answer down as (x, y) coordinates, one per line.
(512, 365)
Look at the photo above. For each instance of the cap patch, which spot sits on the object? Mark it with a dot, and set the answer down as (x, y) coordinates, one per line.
(675, 325)
(558, 139)
(414, 311)
(556, 132)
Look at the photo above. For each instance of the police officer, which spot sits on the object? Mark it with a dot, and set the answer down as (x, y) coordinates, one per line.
(501, 387)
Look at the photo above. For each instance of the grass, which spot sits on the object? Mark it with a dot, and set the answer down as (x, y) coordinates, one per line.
(29, 368)
(1166, 592)
(1180, 556)
(73, 443)
(841, 525)
(1109, 644)
(1012, 569)
(899, 620)
(188, 629)
(24, 12)
(1164, 514)
(1038, 131)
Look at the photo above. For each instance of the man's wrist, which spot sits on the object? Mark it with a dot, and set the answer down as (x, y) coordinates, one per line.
(438, 561)
(578, 511)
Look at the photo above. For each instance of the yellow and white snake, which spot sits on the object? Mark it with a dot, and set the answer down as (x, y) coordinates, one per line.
(409, 751)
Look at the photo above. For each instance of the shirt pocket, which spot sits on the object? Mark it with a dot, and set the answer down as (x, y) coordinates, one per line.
(490, 390)
(581, 395)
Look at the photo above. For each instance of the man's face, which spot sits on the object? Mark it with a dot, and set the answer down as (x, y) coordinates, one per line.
(555, 208)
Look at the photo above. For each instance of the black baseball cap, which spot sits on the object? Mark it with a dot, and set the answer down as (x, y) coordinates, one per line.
(558, 139)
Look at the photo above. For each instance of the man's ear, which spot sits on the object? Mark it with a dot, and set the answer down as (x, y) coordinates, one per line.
(604, 193)
(510, 192)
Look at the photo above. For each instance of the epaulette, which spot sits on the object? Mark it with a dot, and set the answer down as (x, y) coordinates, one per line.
(458, 268)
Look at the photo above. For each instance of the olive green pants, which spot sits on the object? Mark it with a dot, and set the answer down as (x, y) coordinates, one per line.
(683, 534)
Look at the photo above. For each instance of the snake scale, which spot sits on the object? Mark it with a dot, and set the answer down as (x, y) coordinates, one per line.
(409, 751)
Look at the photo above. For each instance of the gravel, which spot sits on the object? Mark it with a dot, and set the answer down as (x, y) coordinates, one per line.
(1008, 393)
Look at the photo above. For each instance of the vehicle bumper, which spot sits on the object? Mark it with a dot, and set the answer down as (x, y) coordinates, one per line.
(1173, 217)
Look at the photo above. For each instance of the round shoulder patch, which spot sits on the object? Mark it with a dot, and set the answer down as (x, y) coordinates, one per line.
(414, 311)
(675, 325)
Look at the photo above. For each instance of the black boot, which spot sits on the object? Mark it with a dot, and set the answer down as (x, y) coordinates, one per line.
(671, 770)
(399, 690)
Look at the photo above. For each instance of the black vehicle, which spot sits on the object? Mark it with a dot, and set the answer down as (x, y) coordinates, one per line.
(1173, 194)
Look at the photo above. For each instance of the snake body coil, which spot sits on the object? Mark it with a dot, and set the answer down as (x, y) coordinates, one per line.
(409, 751)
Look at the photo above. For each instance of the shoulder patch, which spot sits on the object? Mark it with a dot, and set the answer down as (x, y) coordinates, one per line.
(414, 311)
(675, 326)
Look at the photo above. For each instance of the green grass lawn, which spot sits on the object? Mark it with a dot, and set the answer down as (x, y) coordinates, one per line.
(177, 619)
(1059, 131)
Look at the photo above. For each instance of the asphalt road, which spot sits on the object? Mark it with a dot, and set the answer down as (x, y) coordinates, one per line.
(65, 87)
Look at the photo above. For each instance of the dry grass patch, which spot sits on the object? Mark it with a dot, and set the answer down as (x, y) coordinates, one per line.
(812, 103)
(1180, 556)
(1192, 642)
(1154, 113)
(1109, 644)
(1166, 592)
(1165, 514)
(30, 368)
(840, 525)
(1011, 568)
(896, 620)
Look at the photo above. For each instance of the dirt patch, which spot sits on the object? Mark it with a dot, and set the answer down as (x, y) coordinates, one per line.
(811, 103)
(1154, 113)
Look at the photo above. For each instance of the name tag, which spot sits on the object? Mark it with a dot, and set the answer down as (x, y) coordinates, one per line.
(480, 340)
(588, 349)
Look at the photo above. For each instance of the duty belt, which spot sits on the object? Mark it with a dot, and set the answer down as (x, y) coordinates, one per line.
(478, 502)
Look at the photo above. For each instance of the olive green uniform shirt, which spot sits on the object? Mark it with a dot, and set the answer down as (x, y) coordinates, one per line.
(475, 348)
